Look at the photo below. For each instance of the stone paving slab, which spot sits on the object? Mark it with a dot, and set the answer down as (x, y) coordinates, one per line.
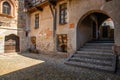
(28, 66)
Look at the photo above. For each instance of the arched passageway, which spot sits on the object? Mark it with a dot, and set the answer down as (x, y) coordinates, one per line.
(95, 40)
(95, 26)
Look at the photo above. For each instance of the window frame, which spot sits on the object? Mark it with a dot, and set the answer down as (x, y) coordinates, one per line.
(6, 8)
(36, 23)
(63, 13)
(108, 0)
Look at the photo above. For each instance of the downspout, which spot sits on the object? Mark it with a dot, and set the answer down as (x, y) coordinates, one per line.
(27, 25)
(54, 14)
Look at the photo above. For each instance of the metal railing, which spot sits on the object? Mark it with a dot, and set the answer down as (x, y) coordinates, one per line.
(36, 2)
(31, 3)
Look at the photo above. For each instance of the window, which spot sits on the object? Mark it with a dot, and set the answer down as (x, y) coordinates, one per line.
(6, 8)
(63, 14)
(26, 33)
(108, 0)
(62, 42)
(36, 21)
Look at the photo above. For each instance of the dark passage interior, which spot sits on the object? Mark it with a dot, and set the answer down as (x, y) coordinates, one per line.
(95, 26)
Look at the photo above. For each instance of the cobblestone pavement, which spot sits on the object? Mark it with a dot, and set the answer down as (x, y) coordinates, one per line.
(30, 66)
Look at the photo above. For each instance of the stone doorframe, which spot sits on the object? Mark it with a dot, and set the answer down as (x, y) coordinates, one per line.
(15, 39)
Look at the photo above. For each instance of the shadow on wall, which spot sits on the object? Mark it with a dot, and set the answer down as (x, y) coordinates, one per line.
(22, 32)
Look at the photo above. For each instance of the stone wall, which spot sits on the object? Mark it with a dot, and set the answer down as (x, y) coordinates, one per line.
(22, 26)
(43, 34)
(13, 24)
(77, 9)
(8, 23)
(84, 32)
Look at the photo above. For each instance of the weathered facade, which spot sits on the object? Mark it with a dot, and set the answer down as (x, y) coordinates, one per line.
(63, 26)
(51, 31)
(11, 32)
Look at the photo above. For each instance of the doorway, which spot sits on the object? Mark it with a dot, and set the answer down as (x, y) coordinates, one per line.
(11, 43)
(105, 32)
(94, 30)
(94, 26)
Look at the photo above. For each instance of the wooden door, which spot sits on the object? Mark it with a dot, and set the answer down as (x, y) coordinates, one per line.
(11, 43)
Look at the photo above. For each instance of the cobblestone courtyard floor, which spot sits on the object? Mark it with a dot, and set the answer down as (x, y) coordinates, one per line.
(30, 66)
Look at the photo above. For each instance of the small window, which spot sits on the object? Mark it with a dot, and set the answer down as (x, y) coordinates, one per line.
(26, 33)
(62, 42)
(6, 8)
(63, 14)
(36, 21)
(108, 0)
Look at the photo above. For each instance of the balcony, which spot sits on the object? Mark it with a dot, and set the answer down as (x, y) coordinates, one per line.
(33, 3)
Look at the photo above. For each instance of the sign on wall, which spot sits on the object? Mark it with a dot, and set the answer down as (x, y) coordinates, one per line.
(72, 25)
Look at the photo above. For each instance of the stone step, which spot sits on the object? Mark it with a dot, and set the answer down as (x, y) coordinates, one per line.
(90, 65)
(98, 47)
(96, 50)
(92, 53)
(99, 57)
(100, 44)
(102, 41)
(92, 61)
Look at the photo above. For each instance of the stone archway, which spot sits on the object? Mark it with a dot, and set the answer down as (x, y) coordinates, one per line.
(11, 43)
(89, 25)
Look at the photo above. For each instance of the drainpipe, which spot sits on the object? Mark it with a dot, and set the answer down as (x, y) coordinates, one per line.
(26, 27)
(54, 14)
(54, 28)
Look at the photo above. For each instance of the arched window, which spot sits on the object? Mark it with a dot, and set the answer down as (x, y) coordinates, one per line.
(6, 8)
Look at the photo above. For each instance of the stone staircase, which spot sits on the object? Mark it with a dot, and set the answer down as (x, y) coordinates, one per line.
(96, 55)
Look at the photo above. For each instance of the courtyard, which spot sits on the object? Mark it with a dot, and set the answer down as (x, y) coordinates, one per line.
(29, 66)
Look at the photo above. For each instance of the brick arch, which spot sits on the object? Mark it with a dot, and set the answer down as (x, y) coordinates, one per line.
(14, 38)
